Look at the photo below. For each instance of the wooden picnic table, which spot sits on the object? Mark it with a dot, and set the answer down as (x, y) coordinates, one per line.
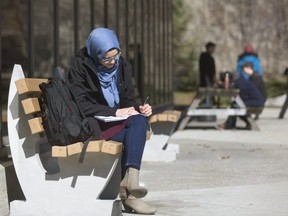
(196, 110)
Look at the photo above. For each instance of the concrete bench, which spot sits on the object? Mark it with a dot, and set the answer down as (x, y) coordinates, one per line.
(158, 147)
(51, 178)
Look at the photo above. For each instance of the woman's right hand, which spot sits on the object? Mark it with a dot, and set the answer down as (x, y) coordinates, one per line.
(126, 111)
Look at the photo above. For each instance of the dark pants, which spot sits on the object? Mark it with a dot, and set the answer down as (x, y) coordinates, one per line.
(133, 137)
(231, 120)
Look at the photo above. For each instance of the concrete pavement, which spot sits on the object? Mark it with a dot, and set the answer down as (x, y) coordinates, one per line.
(252, 200)
(4, 209)
(227, 173)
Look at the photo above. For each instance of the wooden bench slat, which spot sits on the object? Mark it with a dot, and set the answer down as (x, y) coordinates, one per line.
(31, 105)
(74, 148)
(111, 147)
(35, 125)
(168, 115)
(94, 146)
(153, 119)
(162, 117)
(29, 85)
(59, 151)
(174, 112)
(173, 117)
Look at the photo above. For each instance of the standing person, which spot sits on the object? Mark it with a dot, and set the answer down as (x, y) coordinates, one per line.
(101, 81)
(207, 68)
(249, 55)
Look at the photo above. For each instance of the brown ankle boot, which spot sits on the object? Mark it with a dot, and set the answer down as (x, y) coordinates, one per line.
(136, 205)
(130, 185)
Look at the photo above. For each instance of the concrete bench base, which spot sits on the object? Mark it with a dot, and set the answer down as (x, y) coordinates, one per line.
(4, 208)
(154, 151)
(158, 147)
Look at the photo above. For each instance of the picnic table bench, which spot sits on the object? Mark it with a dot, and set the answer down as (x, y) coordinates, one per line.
(195, 110)
(51, 178)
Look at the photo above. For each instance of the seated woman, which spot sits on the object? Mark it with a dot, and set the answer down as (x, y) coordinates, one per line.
(101, 81)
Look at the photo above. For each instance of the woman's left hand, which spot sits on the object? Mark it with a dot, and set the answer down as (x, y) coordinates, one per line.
(146, 110)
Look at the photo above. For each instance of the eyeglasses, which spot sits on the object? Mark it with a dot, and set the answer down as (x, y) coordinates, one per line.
(109, 59)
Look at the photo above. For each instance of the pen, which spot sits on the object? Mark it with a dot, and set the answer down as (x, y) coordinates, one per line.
(146, 100)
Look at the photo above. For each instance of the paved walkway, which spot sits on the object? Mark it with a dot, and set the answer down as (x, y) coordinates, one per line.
(225, 173)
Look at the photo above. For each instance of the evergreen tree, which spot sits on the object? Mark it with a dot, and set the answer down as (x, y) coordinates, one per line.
(185, 57)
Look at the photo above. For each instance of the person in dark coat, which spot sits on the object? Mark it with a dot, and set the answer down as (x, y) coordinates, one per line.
(207, 68)
(252, 92)
(255, 78)
(249, 93)
(101, 81)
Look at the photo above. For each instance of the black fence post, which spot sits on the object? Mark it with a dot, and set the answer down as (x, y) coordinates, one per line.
(31, 37)
(76, 25)
(92, 14)
(56, 32)
(1, 134)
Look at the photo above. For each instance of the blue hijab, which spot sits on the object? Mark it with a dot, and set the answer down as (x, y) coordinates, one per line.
(99, 42)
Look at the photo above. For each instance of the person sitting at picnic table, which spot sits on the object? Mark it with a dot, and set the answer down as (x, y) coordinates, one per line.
(252, 92)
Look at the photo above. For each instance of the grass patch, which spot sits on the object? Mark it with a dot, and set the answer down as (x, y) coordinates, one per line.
(183, 98)
(276, 88)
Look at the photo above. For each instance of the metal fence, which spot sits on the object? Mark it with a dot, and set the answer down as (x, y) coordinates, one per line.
(42, 35)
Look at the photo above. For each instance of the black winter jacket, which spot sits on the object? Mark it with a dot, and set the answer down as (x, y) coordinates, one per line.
(85, 85)
(207, 69)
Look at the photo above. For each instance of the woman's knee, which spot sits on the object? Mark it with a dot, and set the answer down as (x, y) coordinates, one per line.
(139, 120)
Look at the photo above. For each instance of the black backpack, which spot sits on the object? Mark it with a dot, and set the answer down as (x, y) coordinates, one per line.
(63, 121)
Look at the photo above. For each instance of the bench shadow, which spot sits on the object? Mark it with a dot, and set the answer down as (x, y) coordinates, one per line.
(95, 164)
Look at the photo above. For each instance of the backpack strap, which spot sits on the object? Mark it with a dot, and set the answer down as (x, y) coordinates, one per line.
(68, 102)
(84, 149)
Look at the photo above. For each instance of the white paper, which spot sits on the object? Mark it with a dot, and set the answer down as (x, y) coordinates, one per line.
(111, 118)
